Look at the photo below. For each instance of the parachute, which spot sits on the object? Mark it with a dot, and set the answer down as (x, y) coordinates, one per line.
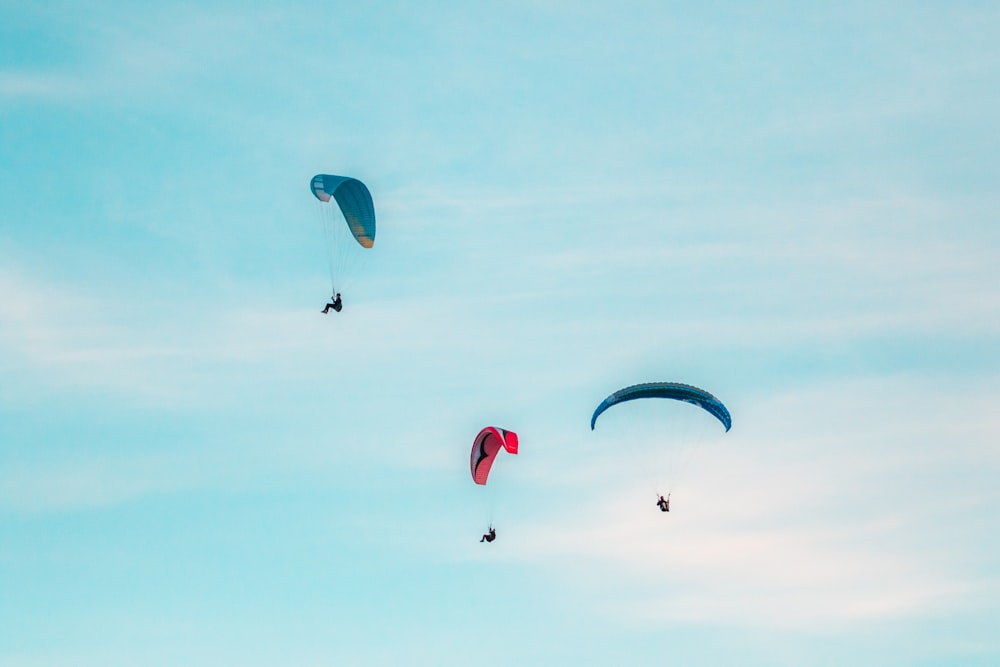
(355, 203)
(660, 451)
(357, 210)
(485, 448)
(672, 390)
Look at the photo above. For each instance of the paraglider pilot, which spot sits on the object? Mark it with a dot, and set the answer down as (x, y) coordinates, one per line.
(664, 505)
(490, 536)
(336, 304)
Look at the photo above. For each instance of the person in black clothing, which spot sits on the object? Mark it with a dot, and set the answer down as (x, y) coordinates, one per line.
(664, 505)
(337, 304)
(490, 536)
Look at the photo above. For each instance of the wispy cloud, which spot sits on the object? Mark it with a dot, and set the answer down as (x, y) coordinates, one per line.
(40, 86)
(175, 353)
(787, 522)
(158, 53)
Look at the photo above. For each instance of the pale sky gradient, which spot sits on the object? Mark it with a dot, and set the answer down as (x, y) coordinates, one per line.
(794, 207)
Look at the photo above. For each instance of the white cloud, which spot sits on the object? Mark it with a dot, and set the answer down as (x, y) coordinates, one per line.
(39, 85)
(813, 514)
(157, 53)
(134, 341)
(91, 484)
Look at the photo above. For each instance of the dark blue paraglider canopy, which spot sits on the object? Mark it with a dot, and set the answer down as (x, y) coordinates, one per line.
(673, 390)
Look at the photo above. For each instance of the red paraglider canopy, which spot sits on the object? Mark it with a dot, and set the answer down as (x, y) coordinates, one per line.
(485, 448)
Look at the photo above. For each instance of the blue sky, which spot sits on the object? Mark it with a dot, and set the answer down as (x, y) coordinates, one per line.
(793, 207)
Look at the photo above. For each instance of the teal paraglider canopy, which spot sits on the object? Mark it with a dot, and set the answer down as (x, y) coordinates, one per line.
(355, 203)
(673, 390)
